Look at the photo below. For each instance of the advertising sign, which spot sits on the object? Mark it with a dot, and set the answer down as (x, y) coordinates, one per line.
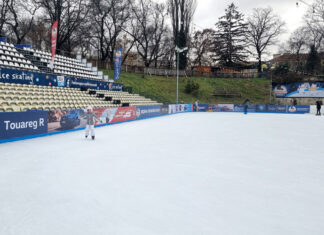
(148, 111)
(203, 107)
(277, 108)
(124, 114)
(54, 32)
(112, 115)
(240, 108)
(27, 77)
(60, 81)
(180, 108)
(305, 89)
(20, 124)
(221, 108)
(74, 82)
(118, 63)
(21, 46)
(262, 108)
(61, 120)
(164, 109)
(42, 79)
(298, 109)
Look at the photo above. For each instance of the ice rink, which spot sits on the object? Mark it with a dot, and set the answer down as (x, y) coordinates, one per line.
(194, 173)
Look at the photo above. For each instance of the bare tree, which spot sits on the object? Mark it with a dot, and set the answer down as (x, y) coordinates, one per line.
(182, 12)
(39, 35)
(21, 19)
(264, 27)
(314, 25)
(71, 15)
(109, 18)
(4, 14)
(148, 28)
(164, 55)
(167, 51)
(202, 47)
(297, 43)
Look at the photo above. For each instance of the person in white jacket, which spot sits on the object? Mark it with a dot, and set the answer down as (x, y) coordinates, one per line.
(197, 106)
(90, 116)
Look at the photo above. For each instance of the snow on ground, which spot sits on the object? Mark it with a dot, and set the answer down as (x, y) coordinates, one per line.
(195, 173)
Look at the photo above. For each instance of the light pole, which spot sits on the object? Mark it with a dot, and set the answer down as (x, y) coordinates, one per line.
(179, 50)
(270, 87)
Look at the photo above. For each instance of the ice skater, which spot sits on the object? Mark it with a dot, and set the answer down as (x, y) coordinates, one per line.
(318, 107)
(90, 116)
(197, 106)
(246, 105)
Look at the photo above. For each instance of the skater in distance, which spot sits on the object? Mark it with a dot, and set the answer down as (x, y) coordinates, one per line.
(197, 106)
(90, 116)
(318, 107)
(246, 105)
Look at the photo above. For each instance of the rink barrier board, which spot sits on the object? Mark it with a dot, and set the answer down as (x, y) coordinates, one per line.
(255, 108)
(123, 114)
(78, 129)
(130, 114)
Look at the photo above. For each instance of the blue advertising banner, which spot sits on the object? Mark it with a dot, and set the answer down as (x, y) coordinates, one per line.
(118, 63)
(21, 46)
(3, 39)
(42, 79)
(20, 124)
(148, 111)
(203, 107)
(97, 85)
(277, 108)
(262, 108)
(300, 89)
(27, 77)
(240, 108)
(298, 109)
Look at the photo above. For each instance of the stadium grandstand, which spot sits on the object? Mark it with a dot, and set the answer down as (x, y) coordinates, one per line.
(28, 83)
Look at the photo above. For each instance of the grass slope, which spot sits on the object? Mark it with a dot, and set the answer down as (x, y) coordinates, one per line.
(163, 89)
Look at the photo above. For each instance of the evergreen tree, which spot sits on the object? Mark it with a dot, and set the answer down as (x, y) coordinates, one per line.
(313, 60)
(229, 39)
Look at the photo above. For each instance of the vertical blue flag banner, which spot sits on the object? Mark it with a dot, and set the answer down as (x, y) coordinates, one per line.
(118, 63)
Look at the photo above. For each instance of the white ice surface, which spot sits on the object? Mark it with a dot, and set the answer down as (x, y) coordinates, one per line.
(194, 173)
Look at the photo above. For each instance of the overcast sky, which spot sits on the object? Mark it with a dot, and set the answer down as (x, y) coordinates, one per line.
(208, 12)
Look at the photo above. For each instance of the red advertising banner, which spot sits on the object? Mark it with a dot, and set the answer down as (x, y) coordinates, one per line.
(54, 31)
(124, 114)
(111, 115)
